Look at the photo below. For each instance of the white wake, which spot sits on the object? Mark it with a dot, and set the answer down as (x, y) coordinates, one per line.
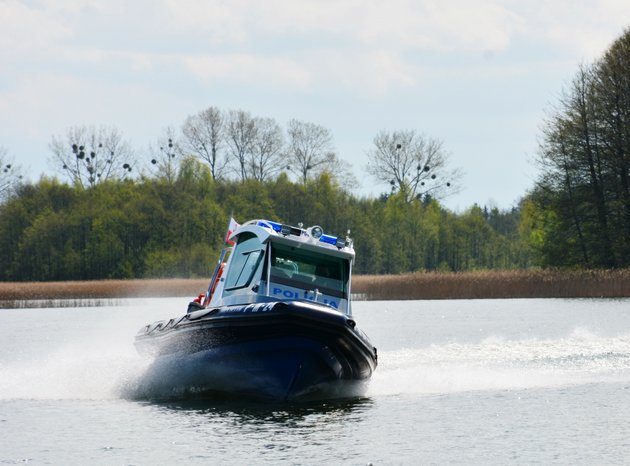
(497, 364)
(106, 366)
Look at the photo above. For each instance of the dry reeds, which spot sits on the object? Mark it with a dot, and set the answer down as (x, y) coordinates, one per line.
(426, 285)
(101, 289)
(496, 284)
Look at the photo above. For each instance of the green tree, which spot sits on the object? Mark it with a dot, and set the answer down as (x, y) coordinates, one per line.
(583, 194)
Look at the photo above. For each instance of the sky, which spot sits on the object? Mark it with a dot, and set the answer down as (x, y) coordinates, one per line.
(480, 75)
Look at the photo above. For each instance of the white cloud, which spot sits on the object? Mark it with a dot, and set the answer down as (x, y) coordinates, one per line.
(365, 45)
(250, 69)
(74, 6)
(428, 24)
(583, 27)
(374, 72)
(220, 22)
(438, 25)
(371, 72)
(26, 30)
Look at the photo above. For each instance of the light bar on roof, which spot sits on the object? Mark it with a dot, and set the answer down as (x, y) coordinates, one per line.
(315, 232)
(328, 239)
(274, 225)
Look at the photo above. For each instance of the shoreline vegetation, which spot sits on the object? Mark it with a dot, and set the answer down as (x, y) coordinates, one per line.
(416, 286)
(496, 284)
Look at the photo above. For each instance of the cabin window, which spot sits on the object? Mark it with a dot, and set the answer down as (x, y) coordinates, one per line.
(309, 270)
(247, 256)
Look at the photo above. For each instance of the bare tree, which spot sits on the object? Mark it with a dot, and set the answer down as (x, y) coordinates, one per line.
(10, 174)
(166, 158)
(89, 156)
(412, 164)
(310, 148)
(203, 136)
(266, 157)
(241, 135)
(341, 172)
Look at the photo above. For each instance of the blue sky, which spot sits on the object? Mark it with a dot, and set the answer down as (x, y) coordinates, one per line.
(477, 74)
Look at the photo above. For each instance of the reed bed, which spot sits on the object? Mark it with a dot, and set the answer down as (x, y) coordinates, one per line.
(496, 284)
(425, 285)
(101, 289)
(56, 303)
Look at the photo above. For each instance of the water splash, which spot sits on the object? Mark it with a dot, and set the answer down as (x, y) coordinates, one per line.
(75, 371)
(106, 366)
(499, 364)
(75, 353)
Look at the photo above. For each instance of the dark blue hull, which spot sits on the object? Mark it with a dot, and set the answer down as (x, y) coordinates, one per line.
(274, 351)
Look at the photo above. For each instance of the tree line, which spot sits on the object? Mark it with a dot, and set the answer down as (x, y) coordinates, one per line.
(578, 215)
(121, 213)
(173, 227)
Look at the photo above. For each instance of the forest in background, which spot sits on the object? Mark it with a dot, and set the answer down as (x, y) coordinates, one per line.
(159, 227)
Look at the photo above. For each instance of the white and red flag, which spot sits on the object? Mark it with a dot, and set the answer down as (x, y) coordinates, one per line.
(231, 229)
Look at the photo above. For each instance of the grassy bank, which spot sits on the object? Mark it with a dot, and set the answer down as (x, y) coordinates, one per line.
(469, 285)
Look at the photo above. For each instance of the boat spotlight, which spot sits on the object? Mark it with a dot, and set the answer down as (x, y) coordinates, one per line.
(317, 231)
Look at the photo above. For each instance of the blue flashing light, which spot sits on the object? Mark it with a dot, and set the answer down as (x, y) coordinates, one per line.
(328, 239)
(275, 226)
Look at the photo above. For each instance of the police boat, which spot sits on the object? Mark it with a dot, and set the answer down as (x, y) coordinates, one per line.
(276, 322)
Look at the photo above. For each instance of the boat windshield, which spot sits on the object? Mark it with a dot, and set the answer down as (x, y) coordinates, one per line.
(309, 270)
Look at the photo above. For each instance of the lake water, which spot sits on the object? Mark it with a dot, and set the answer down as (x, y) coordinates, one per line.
(481, 381)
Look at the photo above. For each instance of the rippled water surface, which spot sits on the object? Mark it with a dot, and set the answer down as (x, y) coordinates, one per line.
(483, 381)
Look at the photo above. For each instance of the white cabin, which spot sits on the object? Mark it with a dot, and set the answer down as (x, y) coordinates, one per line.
(275, 262)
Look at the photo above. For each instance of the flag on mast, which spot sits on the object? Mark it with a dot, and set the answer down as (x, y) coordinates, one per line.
(231, 229)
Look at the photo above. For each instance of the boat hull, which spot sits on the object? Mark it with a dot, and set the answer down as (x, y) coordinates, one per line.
(277, 350)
